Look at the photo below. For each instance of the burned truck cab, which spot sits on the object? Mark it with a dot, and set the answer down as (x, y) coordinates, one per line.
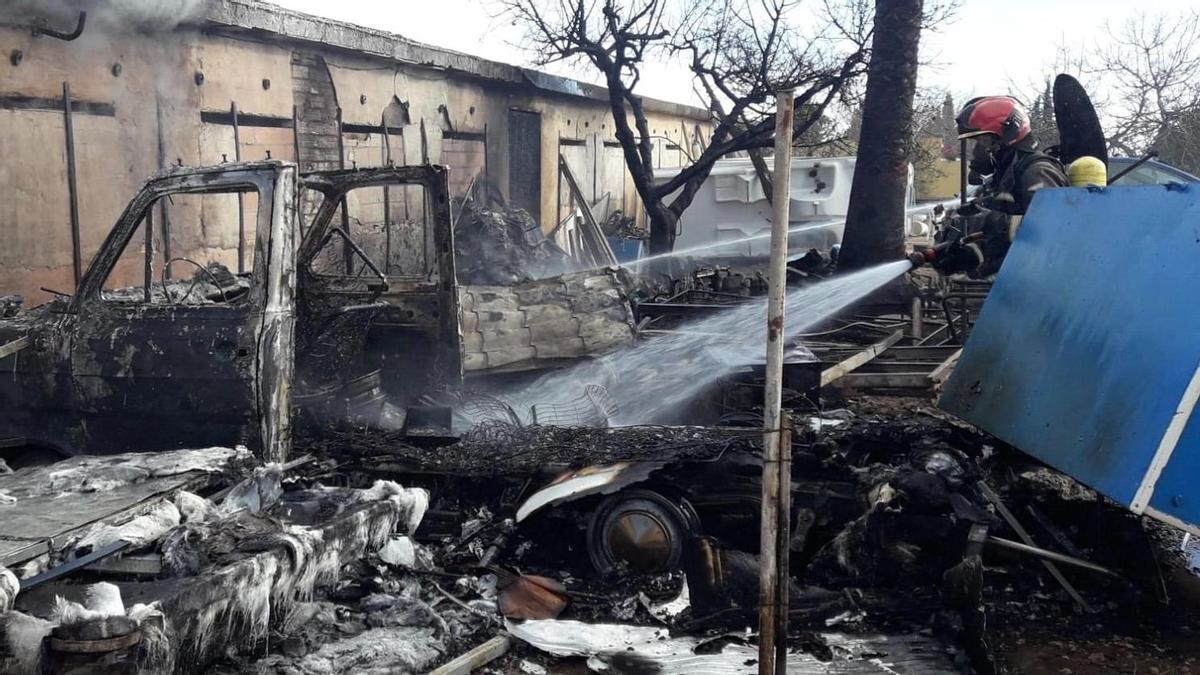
(179, 334)
(227, 297)
(377, 298)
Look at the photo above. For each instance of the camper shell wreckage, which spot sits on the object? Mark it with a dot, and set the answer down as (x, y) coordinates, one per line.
(344, 306)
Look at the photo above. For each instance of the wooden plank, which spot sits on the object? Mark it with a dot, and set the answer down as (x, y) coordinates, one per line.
(476, 658)
(923, 352)
(146, 565)
(13, 551)
(1016, 526)
(887, 380)
(10, 348)
(944, 369)
(600, 252)
(881, 365)
(840, 370)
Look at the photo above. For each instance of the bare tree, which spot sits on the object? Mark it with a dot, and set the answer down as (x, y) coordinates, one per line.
(1152, 65)
(739, 52)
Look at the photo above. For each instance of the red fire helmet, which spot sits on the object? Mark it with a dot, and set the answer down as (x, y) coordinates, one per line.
(1001, 116)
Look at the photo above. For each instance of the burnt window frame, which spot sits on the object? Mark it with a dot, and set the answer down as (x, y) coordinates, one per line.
(261, 178)
(336, 184)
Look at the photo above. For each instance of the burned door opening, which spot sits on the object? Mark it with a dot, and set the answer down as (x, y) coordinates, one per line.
(378, 327)
(525, 161)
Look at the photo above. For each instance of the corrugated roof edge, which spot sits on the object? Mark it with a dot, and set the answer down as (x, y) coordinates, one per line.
(256, 15)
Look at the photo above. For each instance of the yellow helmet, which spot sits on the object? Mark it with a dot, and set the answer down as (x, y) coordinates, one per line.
(1087, 171)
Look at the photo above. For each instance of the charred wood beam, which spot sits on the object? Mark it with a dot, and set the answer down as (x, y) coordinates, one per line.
(296, 141)
(162, 203)
(78, 563)
(9, 348)
(480, 136)
(231, 118)
(19, 102)
(348, 244)
(886, 380)
(476, 658)
(273, 122)
(72, 178)
(1002, 509)
(237, 157)
(859, 359)
(385, 149)
(678, 309)
(943, 370)
(148, 256)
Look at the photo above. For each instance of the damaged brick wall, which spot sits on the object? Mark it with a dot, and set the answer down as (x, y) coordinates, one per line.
(316, 109)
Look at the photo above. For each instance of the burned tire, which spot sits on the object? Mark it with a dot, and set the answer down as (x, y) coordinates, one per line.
(638, 532)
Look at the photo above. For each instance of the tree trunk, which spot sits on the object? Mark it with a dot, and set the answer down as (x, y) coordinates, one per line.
(763, 173)
(875, 218)
(662, 227)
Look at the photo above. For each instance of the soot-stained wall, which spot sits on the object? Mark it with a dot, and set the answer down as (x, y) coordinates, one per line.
(148, 95)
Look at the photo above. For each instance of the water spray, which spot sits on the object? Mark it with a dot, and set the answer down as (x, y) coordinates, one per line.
(806, 227)
(650, 380)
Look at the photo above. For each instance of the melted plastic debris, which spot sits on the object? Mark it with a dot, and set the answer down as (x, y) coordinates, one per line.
(140, 532)
(259, 492)
(399, 551)
(9, 587)
(85, 473)
(103, 601)
(624, 648)
(194, 508)
(24, 635)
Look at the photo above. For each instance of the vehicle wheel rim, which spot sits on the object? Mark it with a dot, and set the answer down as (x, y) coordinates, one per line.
(641, 540)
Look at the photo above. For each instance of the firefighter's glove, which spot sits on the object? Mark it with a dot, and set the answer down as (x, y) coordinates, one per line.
(964, 256)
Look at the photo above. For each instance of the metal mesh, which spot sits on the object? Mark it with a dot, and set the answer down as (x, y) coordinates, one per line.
(481, 408)
(595, 408)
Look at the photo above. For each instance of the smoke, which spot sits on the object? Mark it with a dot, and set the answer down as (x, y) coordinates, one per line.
(109, 16)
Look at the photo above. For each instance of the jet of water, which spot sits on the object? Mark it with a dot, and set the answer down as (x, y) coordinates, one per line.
(650, 380)
(806, 227)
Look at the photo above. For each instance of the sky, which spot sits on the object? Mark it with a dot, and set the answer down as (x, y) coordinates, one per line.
(990, 47)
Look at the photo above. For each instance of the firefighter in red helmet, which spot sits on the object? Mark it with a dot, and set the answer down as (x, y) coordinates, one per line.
(976, 238)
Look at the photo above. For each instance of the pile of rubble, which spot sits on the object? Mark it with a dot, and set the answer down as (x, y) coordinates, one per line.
(901, 558)
(503, 246)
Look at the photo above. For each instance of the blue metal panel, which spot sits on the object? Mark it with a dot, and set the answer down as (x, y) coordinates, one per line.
(1177, 494)
(1089, 337)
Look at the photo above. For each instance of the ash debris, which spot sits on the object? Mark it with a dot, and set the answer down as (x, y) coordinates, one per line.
(330, 565)
(501, 246)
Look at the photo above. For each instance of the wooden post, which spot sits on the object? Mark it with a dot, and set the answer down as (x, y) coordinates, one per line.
(296, 137)
(386, 147)
(347, 248)
(72, 184)
(162, 203)
(299, 169)
(148, 262)
(237, 157)
(773, 392)
(486, 178)
(784, 544)
(424, 143)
